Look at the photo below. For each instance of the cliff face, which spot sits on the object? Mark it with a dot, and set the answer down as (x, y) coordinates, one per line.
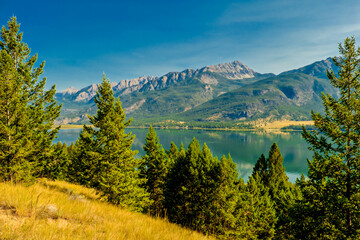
(234, 70)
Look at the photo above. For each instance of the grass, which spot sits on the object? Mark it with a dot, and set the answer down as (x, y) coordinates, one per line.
(285, 123)
(60, 210)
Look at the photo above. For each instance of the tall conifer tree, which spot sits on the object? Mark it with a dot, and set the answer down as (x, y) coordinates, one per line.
(107, 147)
(331, 195)
(154, 169)
(191, 188)
(271, 173)
(28, 115)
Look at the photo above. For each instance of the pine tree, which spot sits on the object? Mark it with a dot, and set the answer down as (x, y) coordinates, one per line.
(14, 132)
(172, 153)
(191, 188)
(276, 183)
(107, 150)
(28, 112)
(58, 168)
(261, 168)
(257, 216)
(331, 195)
(85, 167)
(226, 203)
(154, 169)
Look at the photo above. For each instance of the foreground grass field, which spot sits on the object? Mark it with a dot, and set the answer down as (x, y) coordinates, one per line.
(59, 210)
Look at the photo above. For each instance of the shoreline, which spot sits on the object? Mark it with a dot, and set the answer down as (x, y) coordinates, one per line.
(269, 126)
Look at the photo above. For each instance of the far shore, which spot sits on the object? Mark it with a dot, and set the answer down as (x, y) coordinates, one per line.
(264, 126)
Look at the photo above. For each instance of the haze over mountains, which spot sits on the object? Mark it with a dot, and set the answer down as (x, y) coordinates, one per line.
(223, 92)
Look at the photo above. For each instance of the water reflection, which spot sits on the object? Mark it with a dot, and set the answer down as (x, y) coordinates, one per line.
(244, 147)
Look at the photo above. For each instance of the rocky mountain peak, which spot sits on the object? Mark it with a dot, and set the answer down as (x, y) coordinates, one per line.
(233, 70)
(70, 90)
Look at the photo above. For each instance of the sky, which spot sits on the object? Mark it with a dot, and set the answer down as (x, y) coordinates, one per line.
(81, 40)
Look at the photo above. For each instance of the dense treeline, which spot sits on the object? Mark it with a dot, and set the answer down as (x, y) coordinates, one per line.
(163, 123)
(188, 186)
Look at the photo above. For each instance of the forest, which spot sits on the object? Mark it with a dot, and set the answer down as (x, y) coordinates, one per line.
(186, 184)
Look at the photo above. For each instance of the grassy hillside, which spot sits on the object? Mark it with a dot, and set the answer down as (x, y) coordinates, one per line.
(59, 210)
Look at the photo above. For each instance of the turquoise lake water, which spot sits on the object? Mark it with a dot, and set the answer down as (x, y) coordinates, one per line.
(244, 147)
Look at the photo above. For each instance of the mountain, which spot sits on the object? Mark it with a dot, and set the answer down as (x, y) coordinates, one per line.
(149, 97)
(223, 92)
(316, 69)
(291, 95)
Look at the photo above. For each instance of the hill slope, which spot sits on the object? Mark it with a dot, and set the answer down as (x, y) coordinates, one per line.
(175, 92)
(317, 69)
(292, 95)
(59, 210)
(228, 91)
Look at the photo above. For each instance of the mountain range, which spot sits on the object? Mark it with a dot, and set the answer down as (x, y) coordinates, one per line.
(223, 92)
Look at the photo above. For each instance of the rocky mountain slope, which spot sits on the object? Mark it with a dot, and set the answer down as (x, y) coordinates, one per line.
(228, 91)
(317, 69)
(174, 92)
(291, 95)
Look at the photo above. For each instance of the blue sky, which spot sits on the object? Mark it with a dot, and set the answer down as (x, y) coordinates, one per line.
(79, 40)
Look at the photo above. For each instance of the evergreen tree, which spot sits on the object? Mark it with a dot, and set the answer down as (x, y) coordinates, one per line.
(331, 195)
(58, 168)
(172, 153)
(28, 112)
(226, 203)
(261, 168)
(154, 169)
(85, 167)
(276, 183)
(106, 148)
(14, 132)
(257, 216)
(191, 188)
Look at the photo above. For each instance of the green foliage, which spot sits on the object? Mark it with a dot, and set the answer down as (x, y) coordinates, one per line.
(224, 223)
(105, 159)
(154, 169)
(207, 195)
(298, 128)
(58, 167)
(191, 188)
(27, 110)
(331, 200)
(258, 215)
(282, 193)
(85, 167)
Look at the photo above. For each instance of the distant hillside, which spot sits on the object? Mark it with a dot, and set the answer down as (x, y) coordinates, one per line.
(227, 91)
(147, 97)
(317, 69)
(292, 95)
(60, 210)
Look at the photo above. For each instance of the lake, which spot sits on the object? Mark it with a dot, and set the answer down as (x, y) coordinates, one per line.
(244, 147)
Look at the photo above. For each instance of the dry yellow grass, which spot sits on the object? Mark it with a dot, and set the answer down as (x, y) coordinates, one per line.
(59, 210)
(284, 123)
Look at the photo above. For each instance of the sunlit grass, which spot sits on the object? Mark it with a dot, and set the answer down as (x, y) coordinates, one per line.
(60, 210)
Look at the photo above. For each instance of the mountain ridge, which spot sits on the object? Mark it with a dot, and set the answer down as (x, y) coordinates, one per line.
(234, 70)
(187, 93)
